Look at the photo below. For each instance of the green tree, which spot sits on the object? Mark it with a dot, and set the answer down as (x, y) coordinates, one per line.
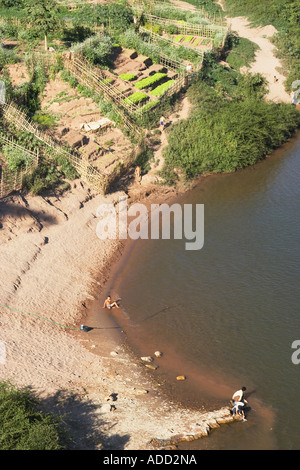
(23, 426)
(43, 15)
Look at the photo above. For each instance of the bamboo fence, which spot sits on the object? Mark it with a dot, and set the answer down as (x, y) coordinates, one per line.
(87, 172)
(150, 5)
(203, 30)
(156, 37)
(87, 75)
(13, 180)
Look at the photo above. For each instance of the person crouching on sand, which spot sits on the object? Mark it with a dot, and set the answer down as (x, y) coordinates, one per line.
(109, 304)
(238, 411)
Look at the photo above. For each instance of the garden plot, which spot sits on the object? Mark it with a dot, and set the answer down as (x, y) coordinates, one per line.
(197, 42)
(18, 73)
(140, 80)
(72, 111)
(128, 60)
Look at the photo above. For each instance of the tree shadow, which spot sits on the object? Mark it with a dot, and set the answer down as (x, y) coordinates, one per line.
(85, 427)
(9, 208)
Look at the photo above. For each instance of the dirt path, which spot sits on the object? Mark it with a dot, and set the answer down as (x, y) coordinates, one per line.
(266, 63)
(182, 113)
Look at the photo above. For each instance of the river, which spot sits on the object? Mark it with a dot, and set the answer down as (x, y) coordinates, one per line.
(226, 316)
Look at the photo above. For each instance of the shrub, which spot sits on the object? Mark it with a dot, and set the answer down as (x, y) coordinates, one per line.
(45, 121)
(45, 176)
(242, 53)
(144, 158)
(66, 167)
(171, 29)
(97, 49)
(16, 159)
(225, 134)
(7, 57)
(23, 426)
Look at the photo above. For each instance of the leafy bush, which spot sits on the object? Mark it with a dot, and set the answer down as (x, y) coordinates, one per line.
(46, 176)
(227, 134)
(156, 28)
(11, 3)
(171, 29)
(242, 53)
(23, 426)
(97, 49)
(66, 167)
(15, 158)
(117, 14)
(45, 121)
(149, 81)
(7, 57)
(144, 158)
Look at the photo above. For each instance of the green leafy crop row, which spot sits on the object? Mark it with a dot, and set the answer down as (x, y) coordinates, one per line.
(161, 89)
(149, 81)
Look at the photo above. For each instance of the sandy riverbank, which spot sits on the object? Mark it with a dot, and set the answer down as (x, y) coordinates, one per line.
(52, 265)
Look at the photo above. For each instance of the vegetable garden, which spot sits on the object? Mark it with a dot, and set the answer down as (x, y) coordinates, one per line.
(109, 57)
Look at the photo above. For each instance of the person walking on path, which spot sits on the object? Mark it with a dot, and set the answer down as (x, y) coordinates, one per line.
(138, 174)
(162, 122)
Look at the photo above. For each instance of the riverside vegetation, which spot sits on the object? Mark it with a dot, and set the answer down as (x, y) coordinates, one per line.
(23, 426)
(231, 125)
(285, 16)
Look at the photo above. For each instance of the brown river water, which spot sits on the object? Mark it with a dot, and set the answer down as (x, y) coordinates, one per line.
(226, 316)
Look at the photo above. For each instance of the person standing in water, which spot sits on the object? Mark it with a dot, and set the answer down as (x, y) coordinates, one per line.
(238, 396)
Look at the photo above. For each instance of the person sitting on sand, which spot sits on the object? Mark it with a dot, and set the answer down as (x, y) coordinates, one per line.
(109, 304)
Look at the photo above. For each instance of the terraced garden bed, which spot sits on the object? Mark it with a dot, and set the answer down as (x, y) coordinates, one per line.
(192, 41)
(150, 81)
(161, 89)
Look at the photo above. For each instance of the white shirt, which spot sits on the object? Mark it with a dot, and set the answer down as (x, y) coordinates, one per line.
(239, 393)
